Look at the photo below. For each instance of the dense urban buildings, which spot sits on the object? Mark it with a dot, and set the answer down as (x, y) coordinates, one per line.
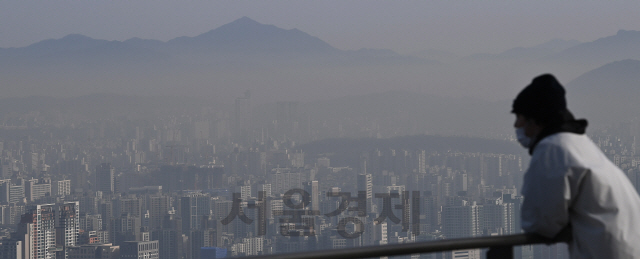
(212, 186)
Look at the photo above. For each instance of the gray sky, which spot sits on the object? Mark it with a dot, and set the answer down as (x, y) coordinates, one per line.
(463, 27)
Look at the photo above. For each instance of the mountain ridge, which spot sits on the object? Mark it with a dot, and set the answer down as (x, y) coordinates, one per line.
(607, 94)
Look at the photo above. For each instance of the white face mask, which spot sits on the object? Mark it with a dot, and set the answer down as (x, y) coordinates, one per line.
(522, 138)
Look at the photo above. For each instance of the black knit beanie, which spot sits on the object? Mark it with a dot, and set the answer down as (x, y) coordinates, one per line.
(543, 100)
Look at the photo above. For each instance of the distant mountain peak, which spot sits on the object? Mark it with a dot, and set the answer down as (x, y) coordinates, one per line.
(245, 20)
(243, 24)
(246, 35)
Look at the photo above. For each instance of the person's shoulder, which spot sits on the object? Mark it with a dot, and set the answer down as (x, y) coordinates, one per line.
(565, 146)
(562, 142)
(564, 139)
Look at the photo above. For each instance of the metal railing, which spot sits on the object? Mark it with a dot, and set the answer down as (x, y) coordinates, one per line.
(499, 247)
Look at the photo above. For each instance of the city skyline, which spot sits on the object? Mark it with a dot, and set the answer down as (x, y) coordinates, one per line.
(215, 129)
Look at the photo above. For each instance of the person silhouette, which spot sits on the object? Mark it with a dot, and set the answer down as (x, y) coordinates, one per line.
(571, 188)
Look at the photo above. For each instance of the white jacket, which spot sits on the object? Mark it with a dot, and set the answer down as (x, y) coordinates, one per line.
(570, 181)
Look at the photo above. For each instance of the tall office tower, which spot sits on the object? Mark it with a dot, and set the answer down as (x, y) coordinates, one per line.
(158, 208)
(312, 188)
(105, 178)
(169, 237)
(462, 221)
(365, 184)
(68, 223)
(140, 250)
(242, 123)
(193, 207)
(37, 230)
(125, 228)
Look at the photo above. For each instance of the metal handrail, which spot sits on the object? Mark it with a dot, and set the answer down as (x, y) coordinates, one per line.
(500, 246)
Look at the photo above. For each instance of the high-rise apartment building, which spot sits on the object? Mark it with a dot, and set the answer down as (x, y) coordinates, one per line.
(11, 248)
(94, 251)
(47, 226)
(105, 174)
(17, 191)
(131, 206)
(365, 184)
(462, 221)
(140, 250)
(37, 228)
(91, 222)
(245, 192)
(5, 188)
(242, 123)
(169, 237)
(287, 118)
(68, 223)
(158, 207)
(312, 188)
(61, 188)
(78, 171)
(106, 211)
(193, 207)
(284, 180)
(35, 189)
(125, 228)
(499, 216)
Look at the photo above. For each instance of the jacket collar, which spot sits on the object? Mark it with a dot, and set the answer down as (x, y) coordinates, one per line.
(571, 126)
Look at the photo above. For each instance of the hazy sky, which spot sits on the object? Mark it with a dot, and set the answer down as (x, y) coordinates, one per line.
(464, 27)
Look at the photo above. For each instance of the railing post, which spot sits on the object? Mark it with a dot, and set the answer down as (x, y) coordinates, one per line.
(500, 252)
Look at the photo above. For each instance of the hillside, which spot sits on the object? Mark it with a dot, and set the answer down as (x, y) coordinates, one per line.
(608, 94)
